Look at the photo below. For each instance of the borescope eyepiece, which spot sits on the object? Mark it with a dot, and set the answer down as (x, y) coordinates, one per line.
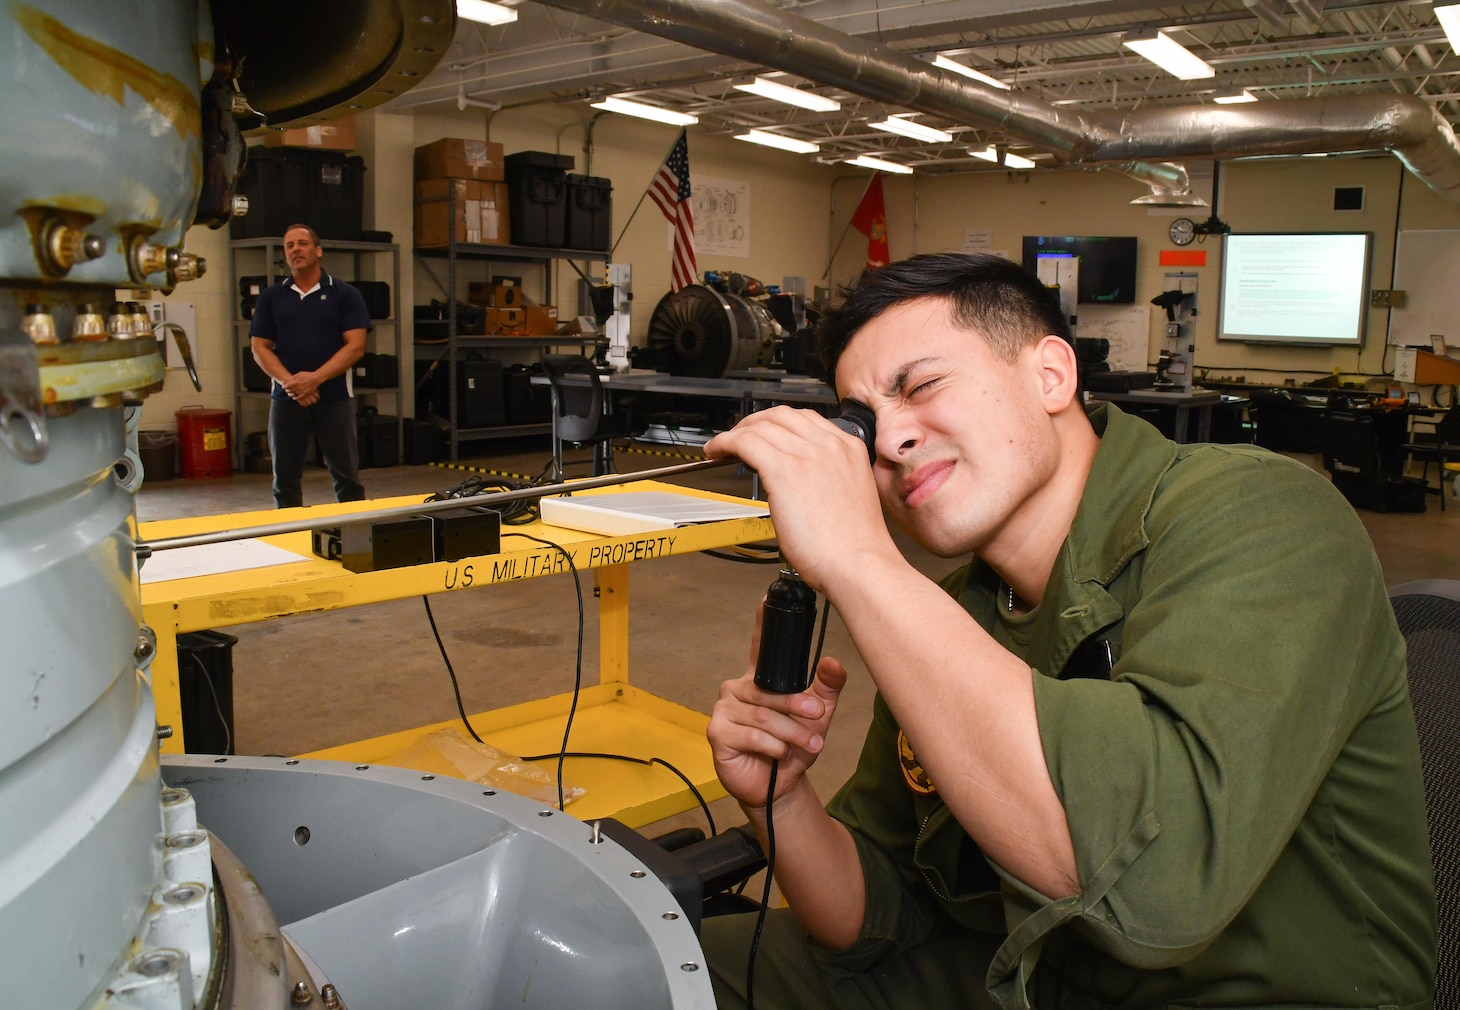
(857, 419)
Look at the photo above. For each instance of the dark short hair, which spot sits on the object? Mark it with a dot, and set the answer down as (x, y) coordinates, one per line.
(295, 227)
(1001, 300)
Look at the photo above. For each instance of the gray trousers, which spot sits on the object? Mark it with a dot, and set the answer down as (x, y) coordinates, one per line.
(333, 426)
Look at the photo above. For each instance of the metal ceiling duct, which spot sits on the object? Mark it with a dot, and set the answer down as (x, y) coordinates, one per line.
(746, 30)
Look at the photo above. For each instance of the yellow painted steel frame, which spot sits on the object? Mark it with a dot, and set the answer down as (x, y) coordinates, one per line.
(613, 716)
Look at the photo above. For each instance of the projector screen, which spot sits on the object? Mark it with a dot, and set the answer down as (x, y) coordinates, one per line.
(1303, 290)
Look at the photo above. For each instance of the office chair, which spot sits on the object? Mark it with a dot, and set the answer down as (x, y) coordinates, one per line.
(1429, 616)
(578, 414)
(1442, 447)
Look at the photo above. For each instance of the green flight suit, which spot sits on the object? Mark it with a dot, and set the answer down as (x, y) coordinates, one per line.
(1242, 788)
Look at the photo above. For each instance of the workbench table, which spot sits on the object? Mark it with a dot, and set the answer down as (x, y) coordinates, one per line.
(612, 715)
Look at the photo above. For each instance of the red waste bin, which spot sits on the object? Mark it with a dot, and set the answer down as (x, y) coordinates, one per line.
(204, 442)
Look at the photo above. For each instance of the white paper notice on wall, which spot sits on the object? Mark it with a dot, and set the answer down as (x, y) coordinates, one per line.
(1127, 327)
(978, 240)
(722, 218)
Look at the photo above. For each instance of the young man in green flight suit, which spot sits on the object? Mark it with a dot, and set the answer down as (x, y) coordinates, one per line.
(1152, 747)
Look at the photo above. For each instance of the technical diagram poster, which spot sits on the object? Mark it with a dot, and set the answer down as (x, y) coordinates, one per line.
(722, 218)
(1127, 327)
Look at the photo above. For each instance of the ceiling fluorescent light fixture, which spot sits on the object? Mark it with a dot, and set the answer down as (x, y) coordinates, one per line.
(1168, 54)
(767, 139)
(777, 92)
(967, 71)
(992, 154)
(1449, 18)
(908, 128)
(877, 164)
(1233, 96)
(624, 107)
(485, 13)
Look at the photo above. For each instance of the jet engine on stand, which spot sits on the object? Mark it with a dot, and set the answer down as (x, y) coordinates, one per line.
(132, 880)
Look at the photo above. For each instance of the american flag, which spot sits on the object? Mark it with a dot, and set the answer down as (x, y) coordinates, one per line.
(670, 191)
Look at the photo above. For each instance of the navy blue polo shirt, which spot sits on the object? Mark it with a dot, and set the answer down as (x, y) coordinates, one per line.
(308, 330)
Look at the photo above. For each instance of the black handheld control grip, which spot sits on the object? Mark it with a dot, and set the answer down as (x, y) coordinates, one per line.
(787, 624)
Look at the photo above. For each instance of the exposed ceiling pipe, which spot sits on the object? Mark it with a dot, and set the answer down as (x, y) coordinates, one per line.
(463, 102)
(755, 33)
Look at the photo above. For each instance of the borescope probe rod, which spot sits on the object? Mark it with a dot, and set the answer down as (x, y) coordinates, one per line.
(148, 547)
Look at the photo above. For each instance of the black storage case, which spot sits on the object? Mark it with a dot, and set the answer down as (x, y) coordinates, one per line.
(255, 379)
(589, 213)
(252, 286)
(377, 297)
(479, 400)
(517, 389)
(376, 438)
(205, 690)
(293, 185)
(432, 388)
(537, 196)
(377, 371)
(424, 442)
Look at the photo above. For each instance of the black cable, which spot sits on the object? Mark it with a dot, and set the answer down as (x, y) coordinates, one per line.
(770, 836)
(217, 706)
(765, 896)
(455, 687)
(745, 559)
(578, 666)
(517, 513)
(709, 818)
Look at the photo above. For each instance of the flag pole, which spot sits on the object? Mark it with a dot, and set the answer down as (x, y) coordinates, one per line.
(826, 274)
(644, 194)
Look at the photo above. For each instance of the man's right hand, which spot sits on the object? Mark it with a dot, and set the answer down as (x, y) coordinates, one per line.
(749, 728)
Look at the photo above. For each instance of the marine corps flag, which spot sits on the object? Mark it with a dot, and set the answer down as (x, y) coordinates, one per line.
(871, 220)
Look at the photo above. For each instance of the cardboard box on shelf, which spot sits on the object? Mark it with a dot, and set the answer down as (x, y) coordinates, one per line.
(336, 135)
(510, 322)
(541, 320)
(481, 212)
(503, 296)
(455, 158)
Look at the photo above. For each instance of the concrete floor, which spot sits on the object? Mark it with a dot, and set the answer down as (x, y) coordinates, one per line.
(315, 681)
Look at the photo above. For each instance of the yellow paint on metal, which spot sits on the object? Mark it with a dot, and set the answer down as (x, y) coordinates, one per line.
(613, 623)
(106, 71)
(611, 719)
(82, 370)
(619, 718)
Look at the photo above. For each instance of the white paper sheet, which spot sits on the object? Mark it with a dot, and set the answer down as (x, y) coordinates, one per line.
(214, 559)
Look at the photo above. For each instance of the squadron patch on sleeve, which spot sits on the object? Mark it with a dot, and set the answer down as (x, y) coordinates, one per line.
(912, 773)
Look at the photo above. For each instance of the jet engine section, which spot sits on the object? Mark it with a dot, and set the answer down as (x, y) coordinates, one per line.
(702, 332)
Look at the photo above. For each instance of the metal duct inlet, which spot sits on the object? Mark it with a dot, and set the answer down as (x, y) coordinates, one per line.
(698, 331)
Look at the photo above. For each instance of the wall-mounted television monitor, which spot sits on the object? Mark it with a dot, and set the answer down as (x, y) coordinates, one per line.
(1305, 289)
(1107, 264)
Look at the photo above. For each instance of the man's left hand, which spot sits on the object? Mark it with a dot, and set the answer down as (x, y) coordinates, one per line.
(821, 492)
(302, 385)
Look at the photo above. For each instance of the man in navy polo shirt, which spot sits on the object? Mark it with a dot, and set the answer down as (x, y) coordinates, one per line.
(308, 331)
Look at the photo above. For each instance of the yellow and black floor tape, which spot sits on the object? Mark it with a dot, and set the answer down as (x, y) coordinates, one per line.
(524, 478)
(661, 452)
